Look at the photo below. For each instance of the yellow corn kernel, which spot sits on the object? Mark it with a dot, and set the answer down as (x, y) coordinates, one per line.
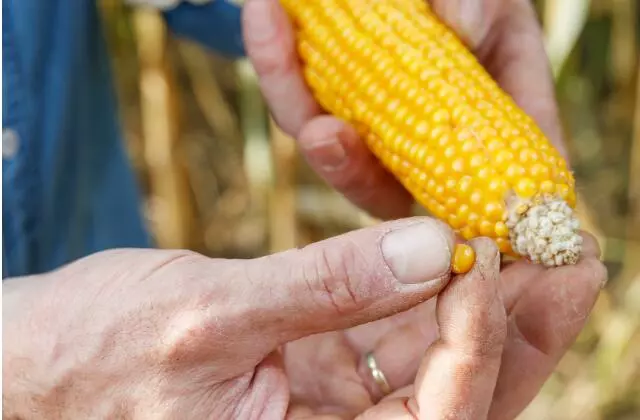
(437, 120)
(463, 259)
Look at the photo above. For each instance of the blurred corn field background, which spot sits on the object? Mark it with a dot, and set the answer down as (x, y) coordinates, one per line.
(221, 179)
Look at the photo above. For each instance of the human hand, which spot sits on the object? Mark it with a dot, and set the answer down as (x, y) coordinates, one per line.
(505, 36)
(172, 334)
(482, 352)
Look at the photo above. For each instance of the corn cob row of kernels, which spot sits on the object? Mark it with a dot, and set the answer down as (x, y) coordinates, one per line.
(438, 121)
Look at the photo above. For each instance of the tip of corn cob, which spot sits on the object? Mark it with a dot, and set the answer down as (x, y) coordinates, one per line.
(545, 231)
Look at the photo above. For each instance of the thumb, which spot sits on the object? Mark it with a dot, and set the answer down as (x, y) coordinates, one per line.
(470, 19)
(350, 279)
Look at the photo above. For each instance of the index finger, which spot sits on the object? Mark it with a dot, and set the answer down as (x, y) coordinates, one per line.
(271, 46)
(459, 372)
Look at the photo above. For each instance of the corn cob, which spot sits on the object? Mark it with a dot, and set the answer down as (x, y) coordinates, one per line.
(439, 123)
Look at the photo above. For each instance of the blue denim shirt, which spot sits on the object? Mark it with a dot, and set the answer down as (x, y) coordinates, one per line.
(68, 188)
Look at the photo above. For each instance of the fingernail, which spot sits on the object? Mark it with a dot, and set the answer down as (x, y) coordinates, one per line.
(261, 16)
(470, 18)
(328, 154)
(465, 17)
(417, 253)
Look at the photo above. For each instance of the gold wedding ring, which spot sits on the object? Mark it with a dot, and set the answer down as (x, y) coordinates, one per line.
(378, 375)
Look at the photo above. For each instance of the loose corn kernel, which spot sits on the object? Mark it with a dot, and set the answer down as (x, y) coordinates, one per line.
(439, 123)
(463, 259)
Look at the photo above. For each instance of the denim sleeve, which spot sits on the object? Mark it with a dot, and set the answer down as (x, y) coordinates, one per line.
(217, 25)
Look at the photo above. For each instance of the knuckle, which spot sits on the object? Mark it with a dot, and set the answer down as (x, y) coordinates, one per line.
(362, 180)
(332, 278)
(179, 335)
(269, 63)
(274, 56)
(486, 328)
(469, 366)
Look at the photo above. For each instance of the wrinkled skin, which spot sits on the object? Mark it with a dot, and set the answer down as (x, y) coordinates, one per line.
(482, 351)
(171, 334)
(507, 39)
(148, 334)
